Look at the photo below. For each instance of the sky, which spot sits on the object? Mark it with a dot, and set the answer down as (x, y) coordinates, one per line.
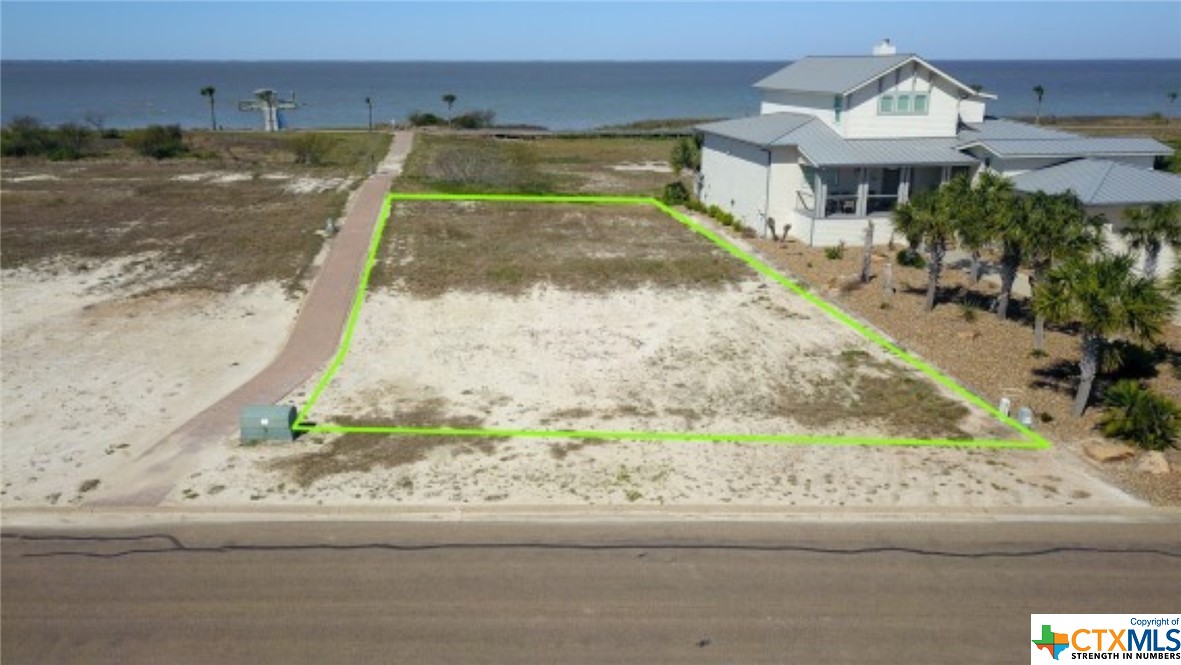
(584, 30)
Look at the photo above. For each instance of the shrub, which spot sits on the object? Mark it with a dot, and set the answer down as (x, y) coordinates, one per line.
(968, 312)
(1139, 415)
(715, 212)
(73, 141)
(835, 253)
(157, 141)
(26, 137)
(910, 259)
(421, 119)
(675, 193)
(311, 148)
(474, 120)
(686, 154)
(695, 205)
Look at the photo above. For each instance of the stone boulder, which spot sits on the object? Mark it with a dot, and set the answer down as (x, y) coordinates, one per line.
(1108, 451)
(1153, 462)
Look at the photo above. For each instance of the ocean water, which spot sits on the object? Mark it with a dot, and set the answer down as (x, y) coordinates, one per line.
(558, 95)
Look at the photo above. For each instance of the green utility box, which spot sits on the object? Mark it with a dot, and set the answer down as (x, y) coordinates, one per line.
(269, 422)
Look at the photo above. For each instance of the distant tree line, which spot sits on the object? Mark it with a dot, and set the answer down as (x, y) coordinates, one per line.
(25, 136)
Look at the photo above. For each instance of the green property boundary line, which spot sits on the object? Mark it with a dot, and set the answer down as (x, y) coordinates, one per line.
(1029, 439)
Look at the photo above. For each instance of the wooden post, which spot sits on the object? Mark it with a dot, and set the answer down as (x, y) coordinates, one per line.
(867, 255)
(888, 280)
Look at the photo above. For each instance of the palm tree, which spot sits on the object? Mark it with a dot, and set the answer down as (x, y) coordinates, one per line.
(969, 215)
(369, 103)
(1006, 221)
(449, 100)
(1150, 228)
(924, 219)
(1056, 228)
(1040, 92)
(1105, 297)
(209, 91)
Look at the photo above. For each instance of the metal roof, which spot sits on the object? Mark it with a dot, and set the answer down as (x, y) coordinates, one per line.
(999, 129)
(823, 147)
(842, 74)
(1103, 182)
(833, 74)
(1071, 146)
(761, 130)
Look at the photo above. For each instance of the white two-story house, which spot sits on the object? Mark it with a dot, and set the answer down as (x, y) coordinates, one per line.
(841, 140)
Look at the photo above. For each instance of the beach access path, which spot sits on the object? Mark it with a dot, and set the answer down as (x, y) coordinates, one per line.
(313, 340)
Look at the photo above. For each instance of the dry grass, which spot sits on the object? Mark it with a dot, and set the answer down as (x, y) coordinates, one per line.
(359, 453)
(870, 391)
(433, 248)
(215, 236)
(206, 236)
(444, 162)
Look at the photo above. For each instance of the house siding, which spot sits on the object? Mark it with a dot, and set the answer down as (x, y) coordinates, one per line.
(734, 178)
(1116, 243)
(808, 103)
(972, 110)
(787, 179)
(862, 120)
(832, 232)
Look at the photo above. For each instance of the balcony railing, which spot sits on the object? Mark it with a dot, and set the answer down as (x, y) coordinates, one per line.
(878, 203)
(840, 204)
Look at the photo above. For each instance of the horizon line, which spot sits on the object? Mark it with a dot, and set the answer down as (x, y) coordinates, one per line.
(552, 61)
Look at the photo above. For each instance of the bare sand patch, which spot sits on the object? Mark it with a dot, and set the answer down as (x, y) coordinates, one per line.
(94, 374)
(650, 167)
(645, 359)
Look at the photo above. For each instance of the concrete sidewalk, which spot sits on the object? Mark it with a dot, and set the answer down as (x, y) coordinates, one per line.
(313, 340)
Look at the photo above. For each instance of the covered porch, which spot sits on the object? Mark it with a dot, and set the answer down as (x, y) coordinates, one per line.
(835, 203)
(845, 192)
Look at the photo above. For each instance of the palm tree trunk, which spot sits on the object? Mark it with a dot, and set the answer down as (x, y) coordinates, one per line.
(212, 115)
(1151, 260)
(1088, 365)
(1039, 320)
(934, 268)
(1009, 264)
(974, 270)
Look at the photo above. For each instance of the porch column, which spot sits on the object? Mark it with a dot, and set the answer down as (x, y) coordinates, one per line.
(904, 184)
(819, 198)
(944, 175)
(862, 191)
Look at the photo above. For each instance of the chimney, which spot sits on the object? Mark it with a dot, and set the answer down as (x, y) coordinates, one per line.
(884, 48)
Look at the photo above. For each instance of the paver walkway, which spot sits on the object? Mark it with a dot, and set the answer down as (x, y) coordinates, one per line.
(311, 344)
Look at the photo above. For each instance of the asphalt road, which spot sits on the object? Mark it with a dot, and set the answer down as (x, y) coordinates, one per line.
(570, 593)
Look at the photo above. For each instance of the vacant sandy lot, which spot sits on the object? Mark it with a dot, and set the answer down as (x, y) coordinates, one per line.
(93, 374)
(555, 340)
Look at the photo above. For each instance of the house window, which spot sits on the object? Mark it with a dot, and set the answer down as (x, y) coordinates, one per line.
(904, 104)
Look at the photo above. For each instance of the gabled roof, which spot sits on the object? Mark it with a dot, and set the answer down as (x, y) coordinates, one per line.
(1102, 182)
(840, 75)
(821, 146)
